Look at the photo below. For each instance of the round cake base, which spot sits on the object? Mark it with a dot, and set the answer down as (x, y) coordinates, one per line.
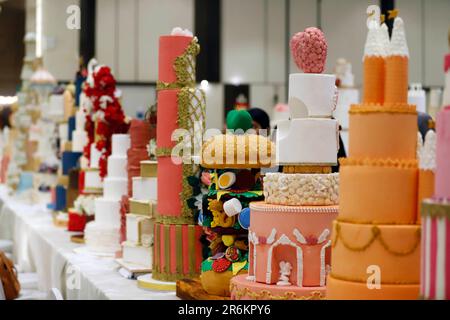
(148, 283)
(348, 290)
(243, 289)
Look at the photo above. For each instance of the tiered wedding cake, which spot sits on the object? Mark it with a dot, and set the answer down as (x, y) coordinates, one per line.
(138, 247)
(177, 249)
(103, 235)
(289, 234)
(376, 239)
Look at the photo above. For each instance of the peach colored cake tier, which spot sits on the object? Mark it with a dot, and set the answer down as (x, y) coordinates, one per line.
(299, 235)
(349, 290)
(243, 289)
(383, 131)
(378, 191)
(395, 250)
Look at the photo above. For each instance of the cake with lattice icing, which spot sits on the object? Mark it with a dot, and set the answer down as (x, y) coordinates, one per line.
(181, 106)
(289, 234)
(376, 238)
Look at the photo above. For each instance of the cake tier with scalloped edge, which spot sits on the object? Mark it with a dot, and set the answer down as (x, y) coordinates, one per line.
(380, 191)
(294, 235)
(397, 139)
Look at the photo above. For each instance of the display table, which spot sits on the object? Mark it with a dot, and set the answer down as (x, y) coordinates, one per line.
(40, 246)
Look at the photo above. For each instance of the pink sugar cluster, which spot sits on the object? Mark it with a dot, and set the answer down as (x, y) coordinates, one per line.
(309, 49)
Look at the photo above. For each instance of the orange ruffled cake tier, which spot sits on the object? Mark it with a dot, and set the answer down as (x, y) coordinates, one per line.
(381, 191)
(383, 131)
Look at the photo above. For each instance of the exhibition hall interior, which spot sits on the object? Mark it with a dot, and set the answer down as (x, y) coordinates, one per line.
(224, 150)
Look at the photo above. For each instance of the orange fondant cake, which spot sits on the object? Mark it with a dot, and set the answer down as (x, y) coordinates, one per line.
(391, 248)
(376, 240)
(397, 140)
(383, 191)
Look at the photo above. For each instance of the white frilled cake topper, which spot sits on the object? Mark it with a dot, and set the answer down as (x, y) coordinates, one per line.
(378, 42)
(177, 31)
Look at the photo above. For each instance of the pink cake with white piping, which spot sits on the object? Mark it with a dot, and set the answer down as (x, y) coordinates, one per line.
(289, 234)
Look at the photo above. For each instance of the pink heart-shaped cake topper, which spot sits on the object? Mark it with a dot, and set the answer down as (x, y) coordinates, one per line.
(309, 49)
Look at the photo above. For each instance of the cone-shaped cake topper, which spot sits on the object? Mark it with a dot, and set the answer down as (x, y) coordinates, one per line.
(309, 50)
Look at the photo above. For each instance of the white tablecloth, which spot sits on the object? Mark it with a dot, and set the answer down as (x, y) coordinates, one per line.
(40, 246)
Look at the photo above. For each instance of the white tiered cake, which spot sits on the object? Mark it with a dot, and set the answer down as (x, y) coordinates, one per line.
(137, 249)
(79, 135)
(103, 235)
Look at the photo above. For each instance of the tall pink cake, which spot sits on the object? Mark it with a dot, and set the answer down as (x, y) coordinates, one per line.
(177, 249)
(435, 266)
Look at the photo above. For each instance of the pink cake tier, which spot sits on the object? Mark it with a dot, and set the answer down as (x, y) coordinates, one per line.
(174, 54)
(177, 251)
(243, 289)
(140, 135)
(442, 187)
(299, 235)
(180, 106)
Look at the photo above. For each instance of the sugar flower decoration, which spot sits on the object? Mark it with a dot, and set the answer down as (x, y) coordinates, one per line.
(309, 49)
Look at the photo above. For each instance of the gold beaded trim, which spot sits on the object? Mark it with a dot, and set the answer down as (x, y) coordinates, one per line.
(184, 67)
(395, 163)
(385, 108)
(376, 235)
(307, 169)
(435, 209)
(183, 219)
(163, 152)
(172, 277)
(266, 295)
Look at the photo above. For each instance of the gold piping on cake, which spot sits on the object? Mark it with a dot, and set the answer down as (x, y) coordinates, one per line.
(184, 67)
(307, 169)
(435, 210)
(376, 235)
(392, 163)
(267, 295)
(385, 108)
